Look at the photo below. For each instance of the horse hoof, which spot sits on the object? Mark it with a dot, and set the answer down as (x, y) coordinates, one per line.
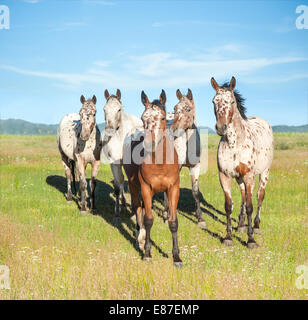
(94, 211)
(83, 212)
(202, 225)
(68, 201)
(256, 231)
(241, 229)
(252, 245)
(228, 242)
(178, 264)
(116, 220)
(147, 259)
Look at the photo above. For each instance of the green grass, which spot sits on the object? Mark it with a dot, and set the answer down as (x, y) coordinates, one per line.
(54, 252)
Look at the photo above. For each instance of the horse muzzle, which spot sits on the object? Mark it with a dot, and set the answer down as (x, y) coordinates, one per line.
(221, 129)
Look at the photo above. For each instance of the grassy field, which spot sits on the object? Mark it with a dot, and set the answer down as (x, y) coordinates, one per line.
(54, 252)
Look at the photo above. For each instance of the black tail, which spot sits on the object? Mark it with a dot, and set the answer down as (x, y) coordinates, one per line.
(72, 167)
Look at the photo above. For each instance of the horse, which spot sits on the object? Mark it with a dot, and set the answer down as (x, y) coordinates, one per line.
(119, 125)
(79, 143)
(184, 129)
(245, 150)
(152, 177)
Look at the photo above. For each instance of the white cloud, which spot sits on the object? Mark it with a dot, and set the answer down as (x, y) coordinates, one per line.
(163, 70)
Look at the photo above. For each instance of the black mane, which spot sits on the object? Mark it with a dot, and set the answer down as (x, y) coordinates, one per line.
(158, 103)
(240, 101)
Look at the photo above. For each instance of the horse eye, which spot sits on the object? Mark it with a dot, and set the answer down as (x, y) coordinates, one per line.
(188, 110)
(119, 110)
(163, 118)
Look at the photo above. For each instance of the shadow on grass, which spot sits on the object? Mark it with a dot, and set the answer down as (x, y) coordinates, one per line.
(186, 207)
(105, 208)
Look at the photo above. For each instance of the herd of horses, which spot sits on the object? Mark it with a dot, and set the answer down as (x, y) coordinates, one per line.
(245, 150)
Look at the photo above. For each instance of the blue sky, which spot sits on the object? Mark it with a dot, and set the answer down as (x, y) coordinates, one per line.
(55, 51)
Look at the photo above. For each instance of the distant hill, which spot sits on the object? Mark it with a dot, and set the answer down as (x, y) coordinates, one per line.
(303, 128)
(22, 127)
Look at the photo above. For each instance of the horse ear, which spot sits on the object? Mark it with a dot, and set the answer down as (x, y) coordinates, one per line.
(232, 83)
(82, 99)
(144, 99)
(189, 95)
(94, 99)
(118, 94)
(214, 84)
(179, 94)
(163, 97)
(107, 95)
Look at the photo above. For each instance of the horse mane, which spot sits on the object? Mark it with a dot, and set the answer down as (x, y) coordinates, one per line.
(240, 101)
(158, 103)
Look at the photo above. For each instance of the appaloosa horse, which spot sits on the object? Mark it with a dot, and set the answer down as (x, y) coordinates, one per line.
(187, 140)
(245, 150)
(158, 172)
(119, 126)
(79, 143)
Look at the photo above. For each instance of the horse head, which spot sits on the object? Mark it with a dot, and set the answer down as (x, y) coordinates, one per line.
(113, 112)
(224, 105)
(87, 117)
(184, 113)
(154, 120)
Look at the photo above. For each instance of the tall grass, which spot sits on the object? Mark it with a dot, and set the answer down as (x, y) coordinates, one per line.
(54, 252)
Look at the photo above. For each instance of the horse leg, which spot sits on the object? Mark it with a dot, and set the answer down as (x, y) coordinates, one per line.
(146, 194)
(68, 175)
(116, 169)
(83, 184)
(226, 186)
(194, 174)
(121, 176)
(137, 210)
(95, 166)
(166, 207)
(260, 197)
(249, 185)
(173, 197)
(242, 215)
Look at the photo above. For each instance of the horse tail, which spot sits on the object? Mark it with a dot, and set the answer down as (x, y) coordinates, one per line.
(74, 173)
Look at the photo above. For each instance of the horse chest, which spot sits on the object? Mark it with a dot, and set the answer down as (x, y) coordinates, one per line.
(231, 157)
(160, 177)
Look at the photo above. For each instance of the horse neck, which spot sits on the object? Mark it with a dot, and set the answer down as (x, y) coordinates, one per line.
(122, 131)
(236, 130)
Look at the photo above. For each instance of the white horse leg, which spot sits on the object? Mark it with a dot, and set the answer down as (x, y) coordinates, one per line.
(249, 180)
(226, 183)
(194, 175)
(83, 184)
(242, 215)
(95, 166)
(116, 171)
(68, 174)
(121, 176)
(260, 197)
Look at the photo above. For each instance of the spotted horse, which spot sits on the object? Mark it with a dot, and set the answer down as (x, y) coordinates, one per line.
(79, 143)
(245, 150)
(187, 140)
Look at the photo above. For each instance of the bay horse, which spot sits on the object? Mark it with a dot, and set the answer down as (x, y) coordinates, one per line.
(152, 177)
(79, 143)
(245, 150)
(184, 129)
(119, 125)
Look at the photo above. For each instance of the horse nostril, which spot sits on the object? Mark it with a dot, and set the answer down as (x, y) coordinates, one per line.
(224, 127)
